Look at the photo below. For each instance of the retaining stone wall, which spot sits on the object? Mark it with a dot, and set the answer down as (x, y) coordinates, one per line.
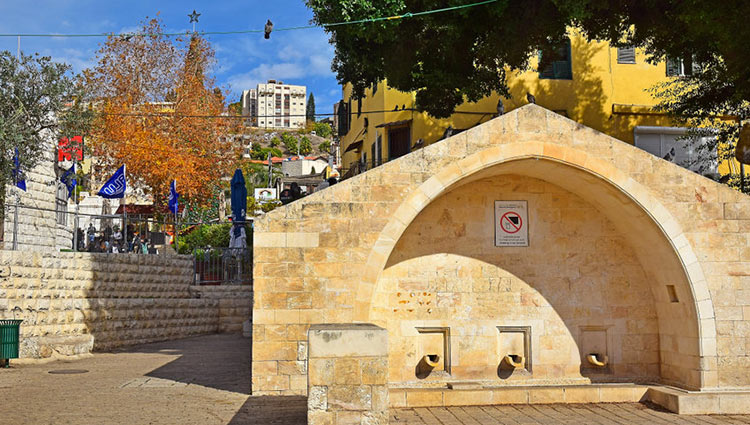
(73, 303)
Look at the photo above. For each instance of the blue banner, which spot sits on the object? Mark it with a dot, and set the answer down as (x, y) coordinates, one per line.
(173, 197)
(115, 186)
(18, 178)
(69, 179)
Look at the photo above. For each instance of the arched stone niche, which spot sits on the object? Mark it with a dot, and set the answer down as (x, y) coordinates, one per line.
(601, 269)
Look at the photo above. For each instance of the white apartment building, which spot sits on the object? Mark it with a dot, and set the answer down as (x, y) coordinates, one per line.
(275, 105)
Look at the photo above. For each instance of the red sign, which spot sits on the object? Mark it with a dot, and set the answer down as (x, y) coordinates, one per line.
(511, 222)
(69, 149)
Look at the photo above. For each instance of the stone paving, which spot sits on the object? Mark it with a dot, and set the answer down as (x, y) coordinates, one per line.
(205, 380)
(579, 414)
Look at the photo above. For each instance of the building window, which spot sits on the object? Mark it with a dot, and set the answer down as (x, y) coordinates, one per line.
(359, 107)
(343, 118)
(61, 204)
(681, 67)
(672, 144)
(560, 66)
(626, 55)
(399, 142)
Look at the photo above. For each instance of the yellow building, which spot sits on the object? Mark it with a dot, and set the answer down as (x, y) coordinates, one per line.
(597, 85)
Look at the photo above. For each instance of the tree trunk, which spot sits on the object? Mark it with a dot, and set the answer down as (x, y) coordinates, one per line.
(3, 191)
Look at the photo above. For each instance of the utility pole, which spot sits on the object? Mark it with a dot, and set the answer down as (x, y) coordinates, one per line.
(75, 196)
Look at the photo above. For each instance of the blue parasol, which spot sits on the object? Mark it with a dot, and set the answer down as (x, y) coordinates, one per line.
(239, 196)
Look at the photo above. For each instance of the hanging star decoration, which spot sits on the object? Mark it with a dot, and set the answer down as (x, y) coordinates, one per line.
(194, 16)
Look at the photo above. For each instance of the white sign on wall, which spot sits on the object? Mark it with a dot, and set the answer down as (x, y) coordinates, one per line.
(265, 194)
(511, 223)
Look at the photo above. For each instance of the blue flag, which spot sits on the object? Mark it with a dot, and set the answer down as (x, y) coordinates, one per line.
(173, 197)
(115, 186)
(17, 175)
(69, 179)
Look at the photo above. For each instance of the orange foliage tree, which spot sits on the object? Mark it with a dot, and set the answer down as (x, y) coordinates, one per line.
(159, 113)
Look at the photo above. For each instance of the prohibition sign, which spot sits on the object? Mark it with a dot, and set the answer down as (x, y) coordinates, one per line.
(511, 222)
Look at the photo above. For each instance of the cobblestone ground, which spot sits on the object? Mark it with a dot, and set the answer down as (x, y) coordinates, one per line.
(579, 414)
(206, 380)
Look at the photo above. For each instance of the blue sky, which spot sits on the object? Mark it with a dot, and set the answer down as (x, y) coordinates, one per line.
(295, 57)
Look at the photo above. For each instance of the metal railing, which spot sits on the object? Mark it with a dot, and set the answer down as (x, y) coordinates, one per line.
(223, 266)
(109, 233)
(360, 167)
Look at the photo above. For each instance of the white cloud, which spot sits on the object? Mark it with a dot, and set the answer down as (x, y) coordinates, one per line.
(79, 59)
(264, 72)
(320, 65)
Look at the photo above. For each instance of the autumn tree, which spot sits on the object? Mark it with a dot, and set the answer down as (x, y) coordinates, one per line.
(159, 112)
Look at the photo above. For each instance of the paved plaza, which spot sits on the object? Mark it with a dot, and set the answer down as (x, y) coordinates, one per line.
(205, 380)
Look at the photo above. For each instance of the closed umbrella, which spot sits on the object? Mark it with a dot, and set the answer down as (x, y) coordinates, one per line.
(239, 196)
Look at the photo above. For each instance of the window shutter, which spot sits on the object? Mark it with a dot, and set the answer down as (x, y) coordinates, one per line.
(687, 65)
(349, 112)
(696, 66)
(343, 118)
(673, 67)
(626, 55)
(379, 142)
(561, 68)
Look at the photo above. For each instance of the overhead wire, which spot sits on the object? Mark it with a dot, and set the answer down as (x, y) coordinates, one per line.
(246, 117)
(252, 31)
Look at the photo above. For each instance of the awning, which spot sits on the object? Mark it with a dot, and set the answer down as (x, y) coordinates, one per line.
(356, 145)
(393, 123)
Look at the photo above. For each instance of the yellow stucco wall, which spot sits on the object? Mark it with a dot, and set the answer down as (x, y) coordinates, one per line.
(599, 81)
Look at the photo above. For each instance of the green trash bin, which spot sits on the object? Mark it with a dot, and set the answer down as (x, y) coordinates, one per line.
(9, 330)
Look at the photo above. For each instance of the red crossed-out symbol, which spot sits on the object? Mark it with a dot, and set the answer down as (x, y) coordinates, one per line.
(511, 222)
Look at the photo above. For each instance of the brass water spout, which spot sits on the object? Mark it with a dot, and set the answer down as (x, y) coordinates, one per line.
(426, 365)
(597, 359)
(515, 361)
(431, 360)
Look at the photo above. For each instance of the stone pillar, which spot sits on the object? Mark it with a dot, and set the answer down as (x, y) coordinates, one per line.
(347, 374)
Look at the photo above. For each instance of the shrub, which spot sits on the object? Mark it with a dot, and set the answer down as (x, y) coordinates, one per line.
(322, 129)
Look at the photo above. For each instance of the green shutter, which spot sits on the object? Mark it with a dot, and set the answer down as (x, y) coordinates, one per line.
(673, 67)
(561, 68)
(696, 66)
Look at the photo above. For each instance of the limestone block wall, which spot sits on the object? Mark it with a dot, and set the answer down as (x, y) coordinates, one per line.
(348, 379)
(578, 287)
(73, 303)
(330, 257)
(235, 304)
(38, 229)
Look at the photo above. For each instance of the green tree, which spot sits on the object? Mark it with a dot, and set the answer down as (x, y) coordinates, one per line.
(305, 146)
(235, 108)
(290, 142)
(310, 113)
(325, 146)
(451, 57)
(322, 129)
(35, 96)
(275, 142)
(262, 153)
